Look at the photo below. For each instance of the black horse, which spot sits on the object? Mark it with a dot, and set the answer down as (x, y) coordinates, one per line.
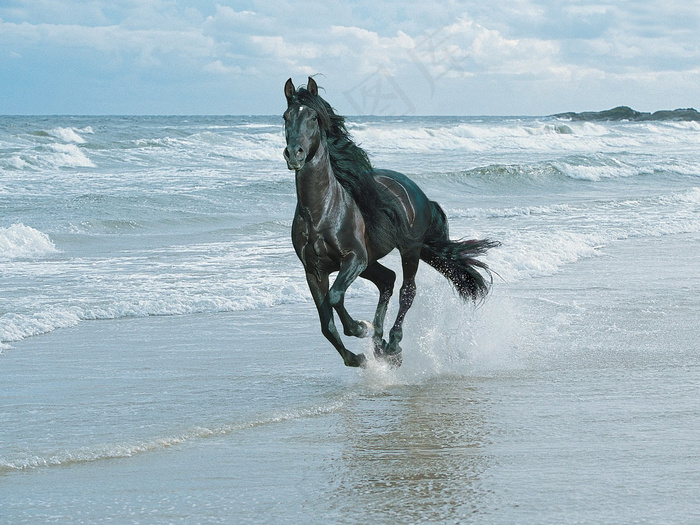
(349, 215)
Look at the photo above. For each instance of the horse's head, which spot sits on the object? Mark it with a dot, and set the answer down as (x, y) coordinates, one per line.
(301, 125)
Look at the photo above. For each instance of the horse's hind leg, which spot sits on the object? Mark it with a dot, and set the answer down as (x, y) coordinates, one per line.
(384, 280)
(409, 264)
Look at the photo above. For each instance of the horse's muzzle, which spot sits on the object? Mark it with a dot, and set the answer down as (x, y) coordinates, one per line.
(295, 157)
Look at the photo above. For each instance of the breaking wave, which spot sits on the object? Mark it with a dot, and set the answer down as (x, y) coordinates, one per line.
(24, 242)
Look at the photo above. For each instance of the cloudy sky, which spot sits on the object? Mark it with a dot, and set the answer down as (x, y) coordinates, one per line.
(474, 57)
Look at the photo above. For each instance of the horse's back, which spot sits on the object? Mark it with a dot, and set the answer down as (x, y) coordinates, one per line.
(415, 203)
(410, 187)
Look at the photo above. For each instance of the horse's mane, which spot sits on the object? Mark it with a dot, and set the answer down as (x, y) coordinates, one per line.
(383, 214)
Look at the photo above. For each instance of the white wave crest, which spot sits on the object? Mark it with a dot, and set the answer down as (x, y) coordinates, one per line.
(595, 170)
(68, 156)
(546, 247)
(539, 254)
(235, 297)
(15, 327)
(229, 145)
(584, 144)
(24, 242)
(263, 146)
(421, 139)
(69, 134)
(14, 162)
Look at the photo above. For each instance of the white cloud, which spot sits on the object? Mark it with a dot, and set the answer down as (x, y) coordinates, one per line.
(107, 38)
(368, 51)
(420, 45)
(226, 15)
(583, 10)
(276, 46)
(218, 68)
(462, 48)
(284, 55)
(469, 48)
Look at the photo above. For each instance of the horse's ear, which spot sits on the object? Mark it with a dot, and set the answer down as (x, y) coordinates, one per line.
(289, 90)
(311, 87)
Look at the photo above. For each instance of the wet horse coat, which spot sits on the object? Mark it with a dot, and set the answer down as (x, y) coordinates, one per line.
(349, 215)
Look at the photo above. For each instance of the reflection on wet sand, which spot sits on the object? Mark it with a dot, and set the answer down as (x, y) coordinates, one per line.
(418, 455)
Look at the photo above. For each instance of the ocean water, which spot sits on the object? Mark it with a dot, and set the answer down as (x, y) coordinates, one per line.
(161, 359)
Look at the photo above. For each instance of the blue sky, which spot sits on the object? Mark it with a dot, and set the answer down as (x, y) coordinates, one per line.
(518, 57)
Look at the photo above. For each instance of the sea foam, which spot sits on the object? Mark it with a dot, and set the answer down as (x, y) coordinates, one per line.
(544, 246)
(69, 134)
(24, 242)
(68, 156)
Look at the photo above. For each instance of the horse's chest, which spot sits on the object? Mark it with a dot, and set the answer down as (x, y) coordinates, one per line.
(312, 247)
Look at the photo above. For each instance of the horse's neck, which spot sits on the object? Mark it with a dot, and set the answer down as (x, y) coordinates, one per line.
(317, 186)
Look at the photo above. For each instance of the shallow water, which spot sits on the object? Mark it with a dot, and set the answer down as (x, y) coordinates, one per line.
(162, 362)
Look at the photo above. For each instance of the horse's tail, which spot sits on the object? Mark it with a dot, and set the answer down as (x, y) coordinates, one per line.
(456, 260)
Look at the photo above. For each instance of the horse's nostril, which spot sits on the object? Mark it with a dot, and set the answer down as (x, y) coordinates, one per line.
(300, 153)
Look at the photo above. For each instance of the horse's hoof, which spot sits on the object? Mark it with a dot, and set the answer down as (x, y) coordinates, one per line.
(379, 348)
(389, 355)
(392, 349)
(356, 360)
(360, 329)
(365, 328)
(394, 360)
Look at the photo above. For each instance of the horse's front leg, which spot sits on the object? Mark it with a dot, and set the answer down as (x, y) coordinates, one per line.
(350, 268)
(352, 327)
(318, 285)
